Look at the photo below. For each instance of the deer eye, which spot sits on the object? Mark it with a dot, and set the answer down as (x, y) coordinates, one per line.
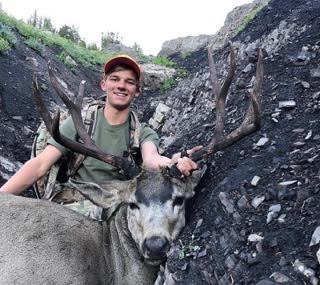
(133, 206)
(178, 201)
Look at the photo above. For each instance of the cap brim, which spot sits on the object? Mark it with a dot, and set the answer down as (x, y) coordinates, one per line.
(126, 60)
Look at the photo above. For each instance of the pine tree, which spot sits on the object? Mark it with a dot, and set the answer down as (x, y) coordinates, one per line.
(34, 20)
(70, 33)
(47, 25)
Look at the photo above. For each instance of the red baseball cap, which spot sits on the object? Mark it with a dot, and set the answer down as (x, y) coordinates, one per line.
(123, 59)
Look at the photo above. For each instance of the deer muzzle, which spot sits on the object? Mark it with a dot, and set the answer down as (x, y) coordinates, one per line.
(155, 248)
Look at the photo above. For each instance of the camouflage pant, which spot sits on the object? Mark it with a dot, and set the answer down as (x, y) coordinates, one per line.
(65, 195)
(87, 209)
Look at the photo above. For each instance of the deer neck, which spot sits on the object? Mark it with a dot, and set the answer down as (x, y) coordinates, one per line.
(122, 255)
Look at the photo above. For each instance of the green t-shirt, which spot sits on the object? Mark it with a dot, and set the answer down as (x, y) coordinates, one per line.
(113, 139)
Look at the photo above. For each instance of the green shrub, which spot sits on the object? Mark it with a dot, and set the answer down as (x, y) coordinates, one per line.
(4, 45)
(167, 84)
(144, 58)
(181, 73)
(248, 18)
(28, 31)
(165, 61)
(34, 44)
(7, 20)
(7, 34)
(68, 61)
(186, 54)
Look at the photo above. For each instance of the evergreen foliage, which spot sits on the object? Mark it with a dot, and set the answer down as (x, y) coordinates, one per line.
(109, 38)
(70, 33)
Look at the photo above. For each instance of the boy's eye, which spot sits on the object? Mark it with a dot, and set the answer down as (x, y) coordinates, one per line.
(131, 82)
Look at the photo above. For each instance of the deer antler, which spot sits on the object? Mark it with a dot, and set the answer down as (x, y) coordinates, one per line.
(252, 120)
(88, 147)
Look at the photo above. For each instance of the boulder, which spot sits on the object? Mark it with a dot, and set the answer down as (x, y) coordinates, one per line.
(155, 75)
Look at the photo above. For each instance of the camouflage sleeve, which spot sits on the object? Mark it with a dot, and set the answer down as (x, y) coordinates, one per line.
(68, 130)
(148, 134)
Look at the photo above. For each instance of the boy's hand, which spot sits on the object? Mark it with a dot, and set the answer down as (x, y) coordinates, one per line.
(185, 164)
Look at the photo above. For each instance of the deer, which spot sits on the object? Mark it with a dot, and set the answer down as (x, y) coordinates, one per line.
(42, 242)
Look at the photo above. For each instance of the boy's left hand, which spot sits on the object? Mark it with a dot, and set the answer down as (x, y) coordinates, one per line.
(185, 164)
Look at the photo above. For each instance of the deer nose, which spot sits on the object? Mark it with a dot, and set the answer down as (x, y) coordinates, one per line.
(156, 247)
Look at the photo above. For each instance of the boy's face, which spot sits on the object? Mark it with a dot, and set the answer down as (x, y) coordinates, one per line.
(120, 88)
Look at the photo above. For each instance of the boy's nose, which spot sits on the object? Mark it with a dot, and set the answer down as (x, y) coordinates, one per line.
(121, 84)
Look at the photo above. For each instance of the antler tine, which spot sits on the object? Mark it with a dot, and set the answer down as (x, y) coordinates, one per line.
(221, 96)
(74, 108)
(251, 122)
(44, 113)
(213, 75)
(78, 101)
(88, 147)
(51, 124)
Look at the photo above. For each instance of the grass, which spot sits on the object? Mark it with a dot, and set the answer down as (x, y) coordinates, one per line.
(163, 60)
(68, 61)
(248, 18)
(188, 249)
(37, 39)
(167, 84)
(35, 45)
(4, 45)
(7, 34)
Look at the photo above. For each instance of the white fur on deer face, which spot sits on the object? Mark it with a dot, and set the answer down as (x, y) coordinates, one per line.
(156, 213)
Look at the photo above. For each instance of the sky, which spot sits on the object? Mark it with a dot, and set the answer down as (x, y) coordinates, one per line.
(145, 22)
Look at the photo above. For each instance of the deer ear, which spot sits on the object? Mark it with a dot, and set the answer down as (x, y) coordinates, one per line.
(108, 195)
(196, 176)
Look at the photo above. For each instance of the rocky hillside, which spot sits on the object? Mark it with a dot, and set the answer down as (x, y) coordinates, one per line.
(255, 218)
(18, 116)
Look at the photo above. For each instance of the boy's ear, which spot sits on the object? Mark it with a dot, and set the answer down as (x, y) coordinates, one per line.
(139, 89)
(103, 84)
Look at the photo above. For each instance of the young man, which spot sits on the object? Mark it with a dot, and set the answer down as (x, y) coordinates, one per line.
(121, 84)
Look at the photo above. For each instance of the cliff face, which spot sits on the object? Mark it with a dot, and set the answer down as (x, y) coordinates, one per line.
(234, 22)
(255, 218)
